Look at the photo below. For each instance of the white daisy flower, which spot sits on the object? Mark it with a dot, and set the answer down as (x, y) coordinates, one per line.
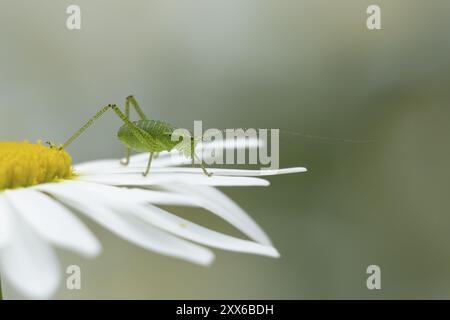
(40, 192)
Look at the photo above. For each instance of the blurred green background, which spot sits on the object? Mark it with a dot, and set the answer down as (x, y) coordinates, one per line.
(306, 66)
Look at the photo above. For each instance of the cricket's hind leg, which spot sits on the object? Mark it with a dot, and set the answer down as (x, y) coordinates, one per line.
(202, 164)
(194, 157)
(126, 160)
(135, 104)
(147, 170)
(131, 100)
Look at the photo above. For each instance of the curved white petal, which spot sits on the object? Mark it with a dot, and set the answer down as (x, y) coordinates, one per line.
(208, 198)
(5, 222)
(218, 203)
(197, 233)
(53, 222)
(157, 197)
(139, 195)
(171, 178)
(127, 226)
(164, 159)
(125, 201)
(28, 263)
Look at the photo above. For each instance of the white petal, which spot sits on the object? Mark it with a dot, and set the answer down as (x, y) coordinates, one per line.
(123, 200)
(218, 203)
(170, 178)
(215, 171)
(142, 196)
(5, 222)
(28, 263)
(166, 159)
(195, 232)
(98, 165)
(157, 197)
(52, 221)
(126, 226)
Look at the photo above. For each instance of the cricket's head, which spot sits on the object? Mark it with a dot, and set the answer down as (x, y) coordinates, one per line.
(53, 146)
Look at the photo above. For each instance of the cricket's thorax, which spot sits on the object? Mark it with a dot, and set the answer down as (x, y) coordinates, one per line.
(23, 164)
(157, 134)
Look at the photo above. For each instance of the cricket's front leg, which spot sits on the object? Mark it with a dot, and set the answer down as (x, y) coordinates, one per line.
(126, 161)
(194, 157)
(202, 165)
(134, 103)
(147, 170)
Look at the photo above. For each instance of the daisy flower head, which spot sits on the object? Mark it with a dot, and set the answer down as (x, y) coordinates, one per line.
(41, 194)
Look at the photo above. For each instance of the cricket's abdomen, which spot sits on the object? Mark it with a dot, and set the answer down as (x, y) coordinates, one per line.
(157, 134)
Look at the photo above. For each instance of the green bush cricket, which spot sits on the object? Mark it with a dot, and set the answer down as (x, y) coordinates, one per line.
(143, 135)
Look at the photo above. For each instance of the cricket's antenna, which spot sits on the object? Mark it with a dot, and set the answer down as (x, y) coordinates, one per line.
(86, 126)
(311, 136)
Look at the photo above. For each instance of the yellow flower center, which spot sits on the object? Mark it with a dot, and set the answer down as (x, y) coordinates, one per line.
(23, 164)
